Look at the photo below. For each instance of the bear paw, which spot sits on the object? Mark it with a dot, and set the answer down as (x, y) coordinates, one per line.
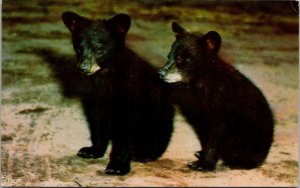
(201, 166)
(89, 152)
(117, 169)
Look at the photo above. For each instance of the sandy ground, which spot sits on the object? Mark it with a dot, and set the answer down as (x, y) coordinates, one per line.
(42, 129)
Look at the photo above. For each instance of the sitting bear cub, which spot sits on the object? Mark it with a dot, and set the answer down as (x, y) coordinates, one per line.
(127, 104)
(229, 114)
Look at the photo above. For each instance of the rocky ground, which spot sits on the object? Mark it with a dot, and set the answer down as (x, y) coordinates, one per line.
(43, 126)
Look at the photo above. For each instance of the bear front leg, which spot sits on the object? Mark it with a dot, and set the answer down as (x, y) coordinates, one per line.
(210, 153)
(100, 140)
(120, 157)
(97, 117)
(207, 161)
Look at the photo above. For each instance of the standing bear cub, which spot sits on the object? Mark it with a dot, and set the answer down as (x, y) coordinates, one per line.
(127, 103)
(229, 114)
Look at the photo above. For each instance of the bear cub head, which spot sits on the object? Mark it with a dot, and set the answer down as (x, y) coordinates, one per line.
(96, 41)
(190, 54)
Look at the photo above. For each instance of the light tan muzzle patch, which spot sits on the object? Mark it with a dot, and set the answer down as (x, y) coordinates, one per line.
(94, 68)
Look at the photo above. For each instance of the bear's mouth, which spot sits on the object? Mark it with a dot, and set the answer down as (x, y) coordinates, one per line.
(173, 77)
(94, 68)
(170, 74)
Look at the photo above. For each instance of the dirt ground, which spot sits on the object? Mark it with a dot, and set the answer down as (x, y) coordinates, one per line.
(43, 125)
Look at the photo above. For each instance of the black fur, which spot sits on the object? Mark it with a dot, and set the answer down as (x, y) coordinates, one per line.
(228, 112)
(127, 103)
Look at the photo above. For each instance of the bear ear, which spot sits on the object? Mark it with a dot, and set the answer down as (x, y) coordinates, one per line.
(213, 41)
(73, 21)
(120, 23)
(177, 29)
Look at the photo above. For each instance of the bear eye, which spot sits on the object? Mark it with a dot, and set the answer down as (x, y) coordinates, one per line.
(179, 60)
(99, 50)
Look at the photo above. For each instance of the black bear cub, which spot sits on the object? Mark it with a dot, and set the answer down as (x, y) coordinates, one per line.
(229, 114)
(127, 104)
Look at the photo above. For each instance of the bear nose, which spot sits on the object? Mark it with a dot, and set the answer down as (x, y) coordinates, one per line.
(162, 73)
(84, 66)
(164, 70)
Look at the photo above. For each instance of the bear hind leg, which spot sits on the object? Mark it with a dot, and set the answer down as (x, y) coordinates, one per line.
(244, 155)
